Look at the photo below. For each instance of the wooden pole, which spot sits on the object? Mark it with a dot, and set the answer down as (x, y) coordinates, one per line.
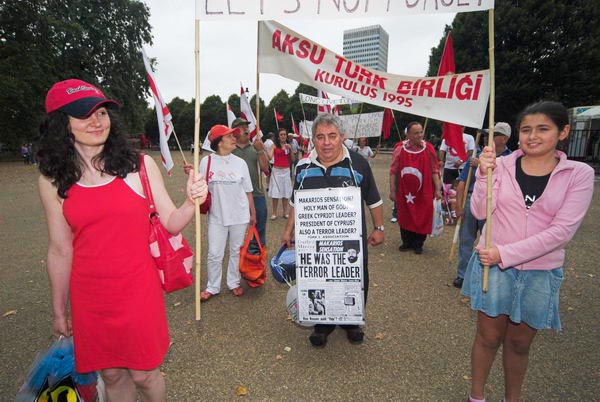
(357, 122)
(180, 149)
(396, 124)
(198, 245)
(488, 222)
(260, 174)
(463, 202)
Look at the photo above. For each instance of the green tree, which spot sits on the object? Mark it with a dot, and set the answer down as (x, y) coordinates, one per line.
(281, 103)
(212, 112)
(543, 50)
(45, 41)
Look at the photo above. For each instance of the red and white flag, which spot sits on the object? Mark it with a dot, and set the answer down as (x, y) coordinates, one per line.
(294, 127)
(230, 115)
(163, 115)
(247, 114)
(452, 133)
(326, 108)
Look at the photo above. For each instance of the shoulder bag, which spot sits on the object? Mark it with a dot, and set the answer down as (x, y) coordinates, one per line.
(172, 254)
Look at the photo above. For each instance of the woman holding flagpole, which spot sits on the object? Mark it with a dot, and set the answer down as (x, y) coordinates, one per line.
(280, 185)
(99, 259)
(541, 198)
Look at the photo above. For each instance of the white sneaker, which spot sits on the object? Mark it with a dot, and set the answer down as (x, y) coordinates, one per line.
(394, 220)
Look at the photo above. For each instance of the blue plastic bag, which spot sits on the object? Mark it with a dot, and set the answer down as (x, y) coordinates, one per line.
(52, 377)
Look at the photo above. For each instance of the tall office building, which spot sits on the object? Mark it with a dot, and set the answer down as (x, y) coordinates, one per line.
(367, 46)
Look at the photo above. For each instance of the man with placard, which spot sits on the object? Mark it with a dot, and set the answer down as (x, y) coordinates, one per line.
(328, 224)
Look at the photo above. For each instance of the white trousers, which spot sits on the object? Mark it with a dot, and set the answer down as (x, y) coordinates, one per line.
(217, 238)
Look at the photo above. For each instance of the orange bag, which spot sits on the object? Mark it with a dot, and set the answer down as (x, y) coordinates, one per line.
(253, 260)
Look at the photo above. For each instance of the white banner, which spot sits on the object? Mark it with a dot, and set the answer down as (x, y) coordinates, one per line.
(369, 125)
(315, 100)
(460, 98)
(329, 256)
(210, 10)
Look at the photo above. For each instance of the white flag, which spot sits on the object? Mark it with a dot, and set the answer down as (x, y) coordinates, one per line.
(163, 115)
(247, 114)
(230, 115)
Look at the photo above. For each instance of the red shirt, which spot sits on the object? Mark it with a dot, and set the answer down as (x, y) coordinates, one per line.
(281, 158)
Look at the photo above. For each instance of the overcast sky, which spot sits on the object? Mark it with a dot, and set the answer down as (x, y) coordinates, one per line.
(228, 49)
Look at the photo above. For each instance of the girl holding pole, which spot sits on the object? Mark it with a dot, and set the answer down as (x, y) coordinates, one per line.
(540, 199)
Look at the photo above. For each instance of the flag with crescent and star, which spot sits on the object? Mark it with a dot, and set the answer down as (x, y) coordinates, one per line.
(414, 194)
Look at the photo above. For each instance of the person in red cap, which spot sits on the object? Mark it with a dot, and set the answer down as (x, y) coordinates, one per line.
(231, 209)
(99, 259)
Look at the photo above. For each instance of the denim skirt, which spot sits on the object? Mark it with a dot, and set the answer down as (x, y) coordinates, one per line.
(529, 296)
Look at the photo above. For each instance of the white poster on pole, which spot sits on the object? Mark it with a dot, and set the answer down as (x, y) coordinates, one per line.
(459, 98)
(369, 125)
(211, 10)
(329, 256)
(316, 100)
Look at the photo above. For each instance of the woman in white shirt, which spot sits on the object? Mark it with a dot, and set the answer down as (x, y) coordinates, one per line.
(365, 151)
(231, 209)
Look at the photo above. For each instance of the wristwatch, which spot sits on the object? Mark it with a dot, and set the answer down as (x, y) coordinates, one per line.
(379, 228)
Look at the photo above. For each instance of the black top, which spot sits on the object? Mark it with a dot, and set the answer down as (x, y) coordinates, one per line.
(532, 187)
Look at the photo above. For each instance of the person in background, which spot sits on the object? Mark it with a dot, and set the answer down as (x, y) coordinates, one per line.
(414, 183)
(452, 163)
(280, 185)
(471, 226)
(99, 260)
(255, 156)
(540, 199)
(231, 209)
(364, 150)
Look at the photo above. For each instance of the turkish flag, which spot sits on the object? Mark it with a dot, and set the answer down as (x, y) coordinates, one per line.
(414, 193)
(388, 120)
(451, 133)
(278, 117)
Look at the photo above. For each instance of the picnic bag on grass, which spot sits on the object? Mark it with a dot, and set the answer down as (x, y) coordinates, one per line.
(253, 258)
(205, 206)
(172, 254)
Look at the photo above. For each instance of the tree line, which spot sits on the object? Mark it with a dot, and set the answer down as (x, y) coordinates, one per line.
(544, 50)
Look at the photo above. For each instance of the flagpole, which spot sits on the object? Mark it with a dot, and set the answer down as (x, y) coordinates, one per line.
(260, 178)
(179, 145)
(463, 202)
(488, 224)
(198, 245)
(358, 121)
(276, 121)
(396, 124)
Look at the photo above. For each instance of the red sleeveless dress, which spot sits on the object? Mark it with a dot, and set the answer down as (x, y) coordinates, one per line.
(117, 304)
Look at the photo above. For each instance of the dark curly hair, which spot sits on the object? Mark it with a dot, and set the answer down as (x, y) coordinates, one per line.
(60, 162)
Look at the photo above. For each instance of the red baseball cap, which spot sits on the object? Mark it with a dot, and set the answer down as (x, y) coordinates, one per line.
(219, 131)
(76, 98)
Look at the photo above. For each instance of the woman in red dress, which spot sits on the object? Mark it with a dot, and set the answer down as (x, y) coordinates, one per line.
(98, 254)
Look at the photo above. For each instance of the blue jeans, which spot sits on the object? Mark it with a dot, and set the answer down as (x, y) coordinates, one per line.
(467, 235)
(260, 205)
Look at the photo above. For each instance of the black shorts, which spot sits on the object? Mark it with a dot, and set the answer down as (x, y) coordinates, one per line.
(450, 175)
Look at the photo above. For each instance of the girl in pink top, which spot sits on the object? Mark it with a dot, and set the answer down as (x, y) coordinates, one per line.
(540, 199)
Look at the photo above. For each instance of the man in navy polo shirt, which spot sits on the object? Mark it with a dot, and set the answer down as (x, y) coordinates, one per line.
(331, 164)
